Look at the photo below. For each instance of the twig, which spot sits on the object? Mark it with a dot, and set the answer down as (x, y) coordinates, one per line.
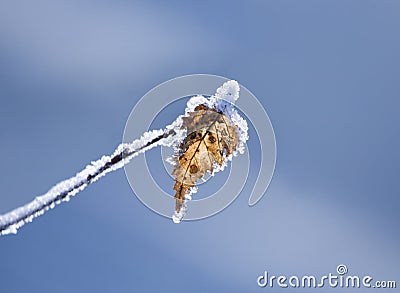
(11, 221)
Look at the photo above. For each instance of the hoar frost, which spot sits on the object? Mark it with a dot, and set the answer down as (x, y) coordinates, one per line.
(222, 101)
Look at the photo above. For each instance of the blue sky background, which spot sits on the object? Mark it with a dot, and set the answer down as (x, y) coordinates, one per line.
(327, 73)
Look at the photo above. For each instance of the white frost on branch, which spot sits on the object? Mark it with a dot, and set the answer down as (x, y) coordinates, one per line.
(171, 136)
(11, 221)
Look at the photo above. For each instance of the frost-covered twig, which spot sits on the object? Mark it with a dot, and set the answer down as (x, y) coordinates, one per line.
(11, 221)
(172, 135)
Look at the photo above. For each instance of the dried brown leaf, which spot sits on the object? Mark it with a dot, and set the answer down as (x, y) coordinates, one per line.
(211, 137)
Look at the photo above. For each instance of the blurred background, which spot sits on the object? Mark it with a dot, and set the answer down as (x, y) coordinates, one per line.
(327, 73)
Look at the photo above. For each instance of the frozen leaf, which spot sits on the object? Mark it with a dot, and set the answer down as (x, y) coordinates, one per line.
(211, 137)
